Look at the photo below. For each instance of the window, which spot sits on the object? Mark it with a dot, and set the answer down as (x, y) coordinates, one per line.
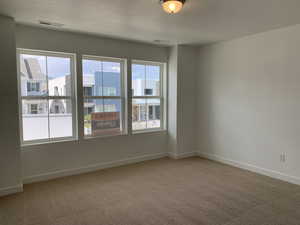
(103, 96)
(148, 91)
(33, 86)
(33, 109)
(147, 97)
(47, 96)
(87, 91)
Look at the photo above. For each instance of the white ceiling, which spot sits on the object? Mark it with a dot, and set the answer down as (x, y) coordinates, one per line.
(200, 21)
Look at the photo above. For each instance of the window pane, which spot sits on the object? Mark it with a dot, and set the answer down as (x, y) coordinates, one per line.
(101, 78)
(35, 119)
(102, 117)
(153, 107)
(138, 79)
(152, 81)
(111, 79)
(33, 75)
(60, 118)
(91, 71)
(88, 91)
(59, 76)
(112, 116)
(139, 114)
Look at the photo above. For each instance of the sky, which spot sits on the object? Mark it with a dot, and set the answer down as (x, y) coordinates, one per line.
(59, 66)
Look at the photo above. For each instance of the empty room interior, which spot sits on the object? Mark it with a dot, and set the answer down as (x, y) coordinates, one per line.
(150, 112)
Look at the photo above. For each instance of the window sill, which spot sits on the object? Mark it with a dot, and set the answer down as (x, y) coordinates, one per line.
(103, 136)
(45, 142)
(149, 131)
(86, 138)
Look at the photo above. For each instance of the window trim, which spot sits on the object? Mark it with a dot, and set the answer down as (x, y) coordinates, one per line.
(161, 97)
(122, 97)
(78, 115)
(72, 97)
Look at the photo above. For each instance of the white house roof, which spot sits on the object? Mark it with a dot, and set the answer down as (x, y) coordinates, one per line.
(31, 69)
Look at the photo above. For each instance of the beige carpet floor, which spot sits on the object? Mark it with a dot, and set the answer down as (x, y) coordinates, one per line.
(190, 191)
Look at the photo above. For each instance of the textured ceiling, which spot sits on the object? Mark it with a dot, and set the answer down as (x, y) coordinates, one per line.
(200, 21)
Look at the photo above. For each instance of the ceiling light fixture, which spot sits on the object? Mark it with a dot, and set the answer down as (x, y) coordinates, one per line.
(172, 6)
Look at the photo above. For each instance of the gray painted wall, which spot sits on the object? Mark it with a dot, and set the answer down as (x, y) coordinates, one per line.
(182, 100)
(172, 101)
(248, 100)
(48, 158)
(187, 70)
(10, 171)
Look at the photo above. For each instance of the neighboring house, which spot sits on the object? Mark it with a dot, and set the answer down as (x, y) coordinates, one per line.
(141, 87)
(88, 90)
(33, 80)
(142, 110)
(101, 84)
(60, 86)
(108, 84)
(34, 83)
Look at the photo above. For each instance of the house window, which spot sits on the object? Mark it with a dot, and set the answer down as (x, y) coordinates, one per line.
(88, 91)
(33, 109)
(104, 107)
(47, 111)
(56, 109)
(148, 91)
(147, 96)
(109, 91)
(33, 86)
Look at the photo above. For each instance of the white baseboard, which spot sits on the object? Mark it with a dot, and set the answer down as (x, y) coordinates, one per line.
(91, 168)
(11, 190)
(252, 168)
(181, 155)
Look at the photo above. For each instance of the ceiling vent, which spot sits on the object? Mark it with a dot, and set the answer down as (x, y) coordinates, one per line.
(162, 42)
(51, 24)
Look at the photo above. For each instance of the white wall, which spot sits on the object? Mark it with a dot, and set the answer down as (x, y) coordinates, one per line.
(172, 101)
(249, 101)
(187, 70)
(182, 100)
(46, 159)
(10, 171)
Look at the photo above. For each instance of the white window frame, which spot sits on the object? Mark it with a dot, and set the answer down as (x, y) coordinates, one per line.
(162, 96)
(122, 97)
(73, 98)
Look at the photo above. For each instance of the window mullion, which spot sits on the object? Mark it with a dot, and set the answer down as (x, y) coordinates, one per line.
(100, 97)
(33, 97)
(48, 101)
(60, 97)
(146, 97)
